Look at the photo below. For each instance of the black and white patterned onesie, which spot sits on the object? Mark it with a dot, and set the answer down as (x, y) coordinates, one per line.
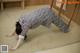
(43, 16)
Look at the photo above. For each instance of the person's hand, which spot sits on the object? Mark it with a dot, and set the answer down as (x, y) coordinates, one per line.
(12, 49)
(9, 35)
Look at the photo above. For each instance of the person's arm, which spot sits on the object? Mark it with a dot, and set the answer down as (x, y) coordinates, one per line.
(12, 34)
(21, 37)
(18, 42)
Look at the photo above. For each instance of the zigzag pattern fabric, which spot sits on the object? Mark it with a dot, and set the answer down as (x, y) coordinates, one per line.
(43, 16)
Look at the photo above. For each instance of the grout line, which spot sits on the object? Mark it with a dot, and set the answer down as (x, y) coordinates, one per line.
(64, 45)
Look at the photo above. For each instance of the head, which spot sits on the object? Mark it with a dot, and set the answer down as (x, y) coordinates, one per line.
(18, 29)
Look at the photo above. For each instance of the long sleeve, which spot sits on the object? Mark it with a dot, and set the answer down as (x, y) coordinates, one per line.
(25, 29)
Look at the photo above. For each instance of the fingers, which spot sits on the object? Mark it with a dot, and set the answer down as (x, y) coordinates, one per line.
(12, 49)
(9, 35)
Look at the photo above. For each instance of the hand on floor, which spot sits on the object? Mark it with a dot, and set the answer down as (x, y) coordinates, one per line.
(9, 35)
(12, 49)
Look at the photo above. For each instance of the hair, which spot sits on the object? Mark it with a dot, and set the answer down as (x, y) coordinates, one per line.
(18, 28)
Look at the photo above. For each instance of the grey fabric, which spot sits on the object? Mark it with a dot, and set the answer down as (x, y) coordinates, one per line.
(43, 16)
(60, 24)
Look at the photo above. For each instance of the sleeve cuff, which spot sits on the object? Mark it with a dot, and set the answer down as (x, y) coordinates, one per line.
(20, 36)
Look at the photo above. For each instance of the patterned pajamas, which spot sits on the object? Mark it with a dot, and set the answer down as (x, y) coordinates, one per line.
(43, 16)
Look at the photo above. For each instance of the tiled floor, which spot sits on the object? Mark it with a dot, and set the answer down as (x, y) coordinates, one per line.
(73, 48)
(40, 39)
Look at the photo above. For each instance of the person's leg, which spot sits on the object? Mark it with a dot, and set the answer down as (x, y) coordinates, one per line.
(47, 25)
(61, 24)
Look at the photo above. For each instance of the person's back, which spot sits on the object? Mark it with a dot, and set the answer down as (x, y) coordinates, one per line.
(36, 17)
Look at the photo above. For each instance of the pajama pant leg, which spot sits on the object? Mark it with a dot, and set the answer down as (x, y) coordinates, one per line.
(60, 23)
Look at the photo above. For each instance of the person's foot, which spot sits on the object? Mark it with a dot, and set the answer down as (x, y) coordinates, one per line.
(65, 30)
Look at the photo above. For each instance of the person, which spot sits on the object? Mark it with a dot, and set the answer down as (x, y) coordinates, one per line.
(43, 16)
